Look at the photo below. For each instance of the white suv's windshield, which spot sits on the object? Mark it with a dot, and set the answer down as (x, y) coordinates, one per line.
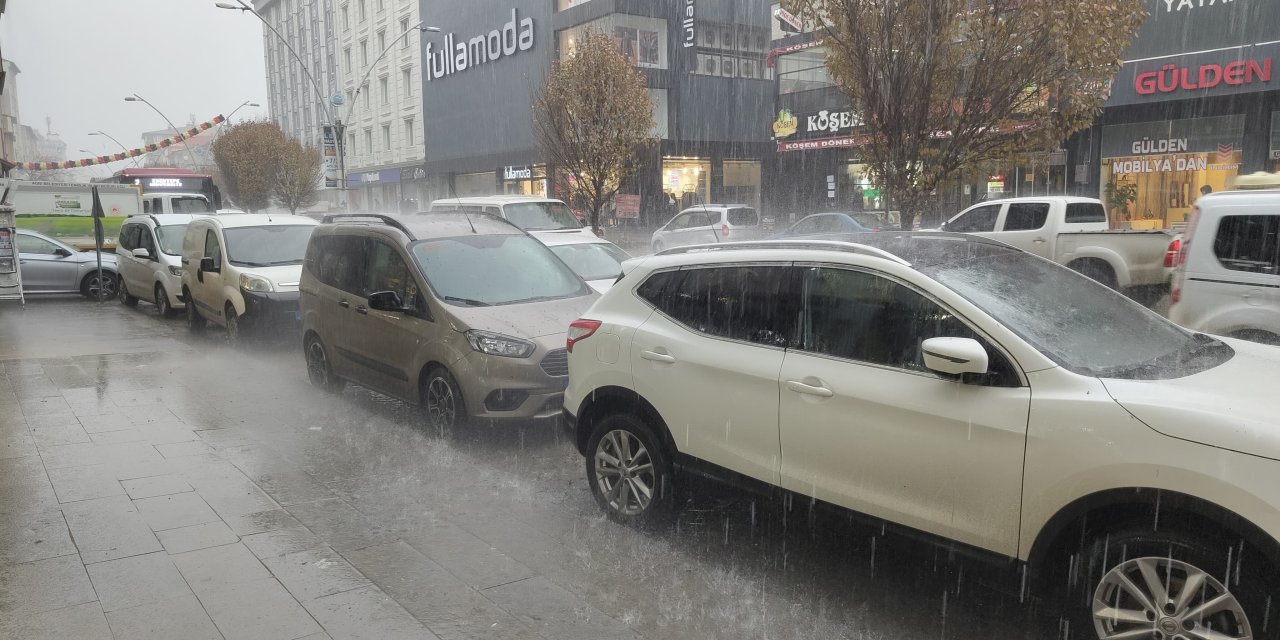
(170, 237)
(267, 246)
(1080, 324)
(541, 216)
(486, 270)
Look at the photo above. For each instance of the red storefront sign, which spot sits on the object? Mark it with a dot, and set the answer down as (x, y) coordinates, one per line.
(1172, 78)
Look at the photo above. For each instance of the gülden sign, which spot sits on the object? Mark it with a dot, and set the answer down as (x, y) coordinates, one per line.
(1172, 78)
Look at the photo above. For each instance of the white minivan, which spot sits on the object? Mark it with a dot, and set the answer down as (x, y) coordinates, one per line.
(542, 217)
(241, 271)
(1228, 277)
(148, 257)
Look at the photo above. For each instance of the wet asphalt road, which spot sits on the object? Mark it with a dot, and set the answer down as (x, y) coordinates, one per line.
(159, 484)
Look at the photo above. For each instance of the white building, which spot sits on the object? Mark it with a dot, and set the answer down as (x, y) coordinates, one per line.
(384, 146)
(300, 107)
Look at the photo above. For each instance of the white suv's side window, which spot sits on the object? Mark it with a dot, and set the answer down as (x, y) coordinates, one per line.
(755, 303)
(865, 317)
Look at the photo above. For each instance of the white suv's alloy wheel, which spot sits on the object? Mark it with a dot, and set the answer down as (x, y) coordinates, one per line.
(624, 472)
(1166, 599)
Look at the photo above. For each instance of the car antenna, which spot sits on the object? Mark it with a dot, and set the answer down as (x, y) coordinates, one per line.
(473, 225)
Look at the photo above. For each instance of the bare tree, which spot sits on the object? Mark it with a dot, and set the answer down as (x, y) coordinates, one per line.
(942, 85)
(592, 119)
(248, 155)
(297, 183)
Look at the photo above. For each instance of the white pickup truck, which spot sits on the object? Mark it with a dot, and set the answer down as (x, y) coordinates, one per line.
(1072, 231)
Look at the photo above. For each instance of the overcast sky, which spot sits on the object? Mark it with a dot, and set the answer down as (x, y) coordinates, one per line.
(80, 58)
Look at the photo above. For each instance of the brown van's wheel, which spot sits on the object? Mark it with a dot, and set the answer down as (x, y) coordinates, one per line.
(319, 371)
(442, 399)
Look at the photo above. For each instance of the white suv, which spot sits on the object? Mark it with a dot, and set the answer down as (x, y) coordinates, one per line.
(956, 386)
(149, 258)
(708, 223)
(1228, 277)
(241, 271)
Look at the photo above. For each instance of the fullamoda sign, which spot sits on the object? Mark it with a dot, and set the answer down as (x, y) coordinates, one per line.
(460, 54)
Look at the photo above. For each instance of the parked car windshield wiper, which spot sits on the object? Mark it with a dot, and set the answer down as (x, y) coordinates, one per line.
(467, 301)
(246, 263)
(283, 262)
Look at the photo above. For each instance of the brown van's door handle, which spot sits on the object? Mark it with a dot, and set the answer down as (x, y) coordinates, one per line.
(344, 304)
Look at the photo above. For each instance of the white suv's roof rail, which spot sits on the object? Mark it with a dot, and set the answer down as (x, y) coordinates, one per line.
(825, 245)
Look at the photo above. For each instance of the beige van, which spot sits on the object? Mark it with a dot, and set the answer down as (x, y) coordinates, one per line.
(464, 314)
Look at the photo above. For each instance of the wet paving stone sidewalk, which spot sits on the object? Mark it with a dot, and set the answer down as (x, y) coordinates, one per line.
(155, 484)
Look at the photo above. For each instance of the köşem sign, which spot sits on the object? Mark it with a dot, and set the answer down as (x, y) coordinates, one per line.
(460, 54)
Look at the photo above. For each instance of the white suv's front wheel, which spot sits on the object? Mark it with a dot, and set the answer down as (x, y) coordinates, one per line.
(1167, 585)
(628, 469)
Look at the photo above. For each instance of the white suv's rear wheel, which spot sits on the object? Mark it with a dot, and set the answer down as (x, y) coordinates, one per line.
(628, 469)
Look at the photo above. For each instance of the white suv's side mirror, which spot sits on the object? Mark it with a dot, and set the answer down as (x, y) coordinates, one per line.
(954, 356)
(141, 254)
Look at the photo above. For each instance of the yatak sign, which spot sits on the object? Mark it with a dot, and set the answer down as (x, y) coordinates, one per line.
(1172, 78)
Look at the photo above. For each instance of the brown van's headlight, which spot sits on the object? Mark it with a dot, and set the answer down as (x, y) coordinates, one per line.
(496, 344)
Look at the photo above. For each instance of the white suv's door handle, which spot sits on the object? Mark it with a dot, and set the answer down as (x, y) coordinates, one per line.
(658, 357)
(808, 389)
(1039, 241)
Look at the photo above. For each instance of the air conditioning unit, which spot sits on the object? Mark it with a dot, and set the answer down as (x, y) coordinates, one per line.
(708, 64)
(726, 38)
(728, 67)
(706, 36)
(747, 69)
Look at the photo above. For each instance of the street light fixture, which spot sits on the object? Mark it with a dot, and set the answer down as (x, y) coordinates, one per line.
(246, 103)
(192, 156)
(122, 147)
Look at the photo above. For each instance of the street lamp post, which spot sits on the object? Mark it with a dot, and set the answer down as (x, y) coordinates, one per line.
(192, 156)
(122, 147)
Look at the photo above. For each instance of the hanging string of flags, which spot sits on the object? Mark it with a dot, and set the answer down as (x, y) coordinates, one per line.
(132, 153)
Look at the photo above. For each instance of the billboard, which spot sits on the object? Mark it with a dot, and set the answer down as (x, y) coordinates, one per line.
(332, 163)
(1196, 49)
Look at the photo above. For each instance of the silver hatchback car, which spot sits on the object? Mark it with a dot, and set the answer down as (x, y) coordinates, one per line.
(465, 314)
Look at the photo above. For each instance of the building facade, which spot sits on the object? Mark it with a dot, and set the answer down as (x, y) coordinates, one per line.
(1196, 103)
(300, 107)
(703, 62)
(380, 71)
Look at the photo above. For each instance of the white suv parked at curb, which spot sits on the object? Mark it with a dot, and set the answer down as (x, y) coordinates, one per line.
(956, 386)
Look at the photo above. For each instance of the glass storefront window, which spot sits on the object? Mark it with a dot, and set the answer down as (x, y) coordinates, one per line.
(1275, 141)
(640, 39)
(475, 184)
(742, 182)
(686, 181)
(1152, 172)
(803, 71)
(535, 185)
(856, 189)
